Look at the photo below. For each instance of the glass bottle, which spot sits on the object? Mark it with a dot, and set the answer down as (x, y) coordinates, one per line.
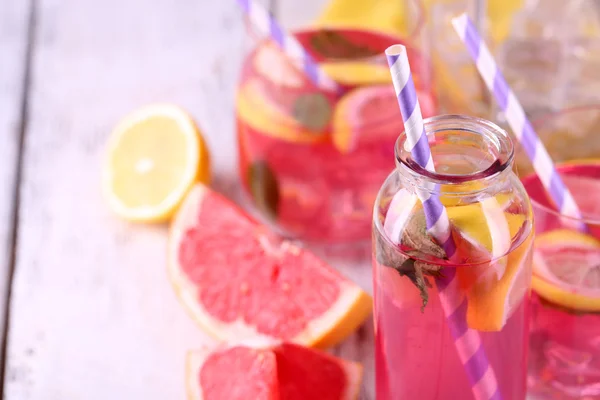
(453, 327)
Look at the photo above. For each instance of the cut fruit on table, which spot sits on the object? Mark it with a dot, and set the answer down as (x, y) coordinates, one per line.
(566, 269)
(232, 373)
(155, 155)
(240, 282)
(281, 372)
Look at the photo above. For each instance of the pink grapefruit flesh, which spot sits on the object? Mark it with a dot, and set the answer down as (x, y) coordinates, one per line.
(238, 373)
(371, 114)
(239, 282)
(285, 372)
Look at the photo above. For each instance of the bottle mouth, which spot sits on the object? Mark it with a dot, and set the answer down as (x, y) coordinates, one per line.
(463, 149)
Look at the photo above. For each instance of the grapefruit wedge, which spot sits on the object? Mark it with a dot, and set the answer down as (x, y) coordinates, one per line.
(240, 282)
(282, 372)
(234, 373)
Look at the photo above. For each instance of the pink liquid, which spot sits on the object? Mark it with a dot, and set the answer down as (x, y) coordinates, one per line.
(564, 353)
(565, 344)
(323, 193)
(415, 355)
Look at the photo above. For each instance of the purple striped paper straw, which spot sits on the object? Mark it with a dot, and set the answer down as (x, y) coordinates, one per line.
(515, 115)
(264, 21)
(467, 341)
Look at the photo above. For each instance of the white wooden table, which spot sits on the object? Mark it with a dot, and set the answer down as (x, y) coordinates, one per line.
(87, 311)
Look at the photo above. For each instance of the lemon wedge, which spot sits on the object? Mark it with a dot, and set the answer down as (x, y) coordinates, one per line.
(155, 155)
(494, 288)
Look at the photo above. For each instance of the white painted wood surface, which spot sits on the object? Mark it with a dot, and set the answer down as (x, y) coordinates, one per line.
(294, 14)
(92, 313)
(14, 22)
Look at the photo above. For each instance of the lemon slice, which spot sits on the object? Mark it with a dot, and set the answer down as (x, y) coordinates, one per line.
(566, 269)
(155, 155)
(494, 289)
(358, 73)
(267, 117)
(485, 224)
(492, 301)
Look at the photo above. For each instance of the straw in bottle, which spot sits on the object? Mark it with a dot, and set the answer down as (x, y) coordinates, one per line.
(268, 25)
(467, 341)
(515, 116)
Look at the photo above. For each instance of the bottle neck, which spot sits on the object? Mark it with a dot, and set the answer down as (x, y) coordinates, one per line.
(470, 155)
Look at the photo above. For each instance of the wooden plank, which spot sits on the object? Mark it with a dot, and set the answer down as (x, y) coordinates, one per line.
(14, 21)
(92, 313)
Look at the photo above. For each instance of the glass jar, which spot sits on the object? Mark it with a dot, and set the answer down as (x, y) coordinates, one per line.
(564, 359)
(311, 161)
(551, 55)
(453, 327)
(568, 134)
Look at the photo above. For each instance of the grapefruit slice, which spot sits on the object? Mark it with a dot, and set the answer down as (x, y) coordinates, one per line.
(239, 282)
(234, 373)
(368, 114)
(566, 269)
(283, 372)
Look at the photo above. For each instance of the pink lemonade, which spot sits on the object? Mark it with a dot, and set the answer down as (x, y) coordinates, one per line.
(419, 360)
(424, 349)
(565, 316)
(312, 161)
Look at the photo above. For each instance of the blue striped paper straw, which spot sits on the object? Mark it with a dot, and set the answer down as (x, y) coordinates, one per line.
(265, 22)
(515, 116)
(467, 341)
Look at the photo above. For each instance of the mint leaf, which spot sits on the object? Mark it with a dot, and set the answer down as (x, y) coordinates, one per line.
(418, 243)
(417, 271)
(416, 238)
